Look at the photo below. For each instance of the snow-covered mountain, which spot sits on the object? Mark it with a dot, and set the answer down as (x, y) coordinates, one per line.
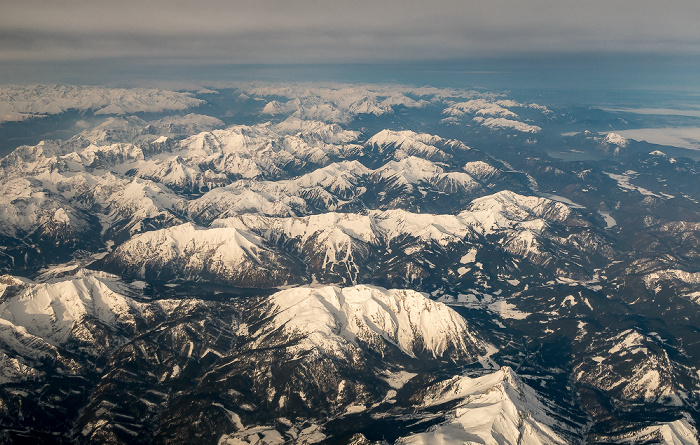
(335, 321)
(649, 377)
(191, 253)
(24, 102)
(60, 329)
(495, 408)
(492, 113)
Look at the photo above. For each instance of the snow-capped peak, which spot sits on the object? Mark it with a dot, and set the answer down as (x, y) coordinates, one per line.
(494, 408)
(616, 139)
(481, 107)
(54, 310)
(410, 170)
(334, 319)
(409, 143)
(405, 137)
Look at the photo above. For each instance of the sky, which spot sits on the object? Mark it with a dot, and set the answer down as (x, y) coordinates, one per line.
(331, 31)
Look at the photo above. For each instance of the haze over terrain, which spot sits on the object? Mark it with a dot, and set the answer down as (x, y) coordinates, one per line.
(625, 43)
(307, 31)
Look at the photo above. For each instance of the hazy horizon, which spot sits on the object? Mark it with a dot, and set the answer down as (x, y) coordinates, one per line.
(312, 31)
(626, 44)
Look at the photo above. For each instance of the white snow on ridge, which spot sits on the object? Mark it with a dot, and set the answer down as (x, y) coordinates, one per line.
(405, 138)
(192, 120)
(224, 249)
(481, 170)
(18, 102)
(351, 225)
(629, 340)
(316, 131)
(25, 207)
(339, 177)
(330, 108)
(349, 93)
(136, 130)
(506, 209)
(51, 311)
(341, 102)
(492, 114)
(410, 170)
(282, 198)
(333, 102)
(649, 377)
(253, 151)
(141, 199)
(616, 139)
(334, 184)
(479, 107)
(80, 172)
(514, 104)
(410, 143)
(654, 280)
(346, 237)
(224, 202)
(13, 370)
(441, 228)
(333, 319)
(399, 99)
(678, 432)
(509, 124)
(503, 210)
(494, 408)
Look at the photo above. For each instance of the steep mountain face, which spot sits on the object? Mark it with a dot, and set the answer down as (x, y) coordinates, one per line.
(220, 254)
(380, 321)
(647, 379)
(495, 408)
(224, 279)
(55, 336)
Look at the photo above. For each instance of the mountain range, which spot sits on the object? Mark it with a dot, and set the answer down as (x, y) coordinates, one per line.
(303, 263)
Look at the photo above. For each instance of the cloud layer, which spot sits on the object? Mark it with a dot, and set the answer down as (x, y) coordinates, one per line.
(270, 31)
